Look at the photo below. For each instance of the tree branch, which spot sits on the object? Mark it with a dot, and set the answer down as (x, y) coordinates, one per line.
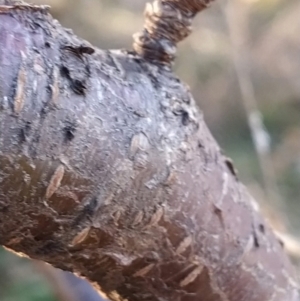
(167, 23)
(108, 170)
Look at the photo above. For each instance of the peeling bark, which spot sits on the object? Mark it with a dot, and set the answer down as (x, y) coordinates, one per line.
(107, 169)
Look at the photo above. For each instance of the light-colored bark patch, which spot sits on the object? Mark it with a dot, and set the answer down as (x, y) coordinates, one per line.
(55, 181)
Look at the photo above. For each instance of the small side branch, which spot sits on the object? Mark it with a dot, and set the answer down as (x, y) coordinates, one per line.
(167, 22)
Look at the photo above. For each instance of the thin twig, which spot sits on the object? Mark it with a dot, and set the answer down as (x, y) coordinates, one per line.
(167, 22)
(260, 136)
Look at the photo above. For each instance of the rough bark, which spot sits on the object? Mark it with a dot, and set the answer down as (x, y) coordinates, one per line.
(107, 169)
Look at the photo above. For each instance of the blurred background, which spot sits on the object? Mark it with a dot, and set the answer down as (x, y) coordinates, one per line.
(243, 66)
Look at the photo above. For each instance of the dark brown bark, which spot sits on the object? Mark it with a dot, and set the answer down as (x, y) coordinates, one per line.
(107, 169)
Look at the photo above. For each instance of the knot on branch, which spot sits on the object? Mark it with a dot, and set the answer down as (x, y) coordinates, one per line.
(167, 23)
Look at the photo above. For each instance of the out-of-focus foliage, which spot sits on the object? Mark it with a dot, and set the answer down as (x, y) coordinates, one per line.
(20, 281)
(269, 31)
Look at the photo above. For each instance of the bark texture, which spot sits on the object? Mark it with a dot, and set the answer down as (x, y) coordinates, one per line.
(107, 169)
